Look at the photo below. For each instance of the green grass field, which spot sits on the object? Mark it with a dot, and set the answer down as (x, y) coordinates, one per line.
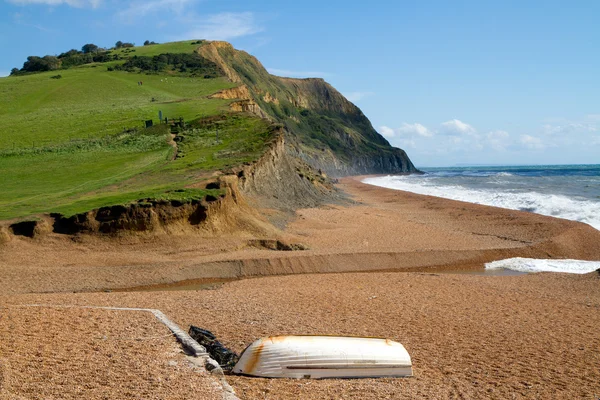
(92, 102)
(63, 147)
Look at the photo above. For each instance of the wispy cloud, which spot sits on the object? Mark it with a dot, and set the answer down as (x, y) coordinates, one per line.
(22, 19)
(187, 22)
(498, 140)
(593, 117)
(414, 129)
(298, 74)
(137, 9)
(532, 142)
(407, 130)
(357, 96)
(568, 128)
(224, 26)
(72, 3)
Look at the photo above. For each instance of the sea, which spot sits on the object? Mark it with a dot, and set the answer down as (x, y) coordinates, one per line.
(563, 191)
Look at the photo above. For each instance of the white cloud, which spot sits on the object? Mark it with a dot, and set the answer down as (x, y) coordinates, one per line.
(386, 131)
(297, 74)
(4, 73)
(72, 3)
(357, 96)
(414, 129)
(224, 26)
(406, 131)
(457, 127)
(532, 142)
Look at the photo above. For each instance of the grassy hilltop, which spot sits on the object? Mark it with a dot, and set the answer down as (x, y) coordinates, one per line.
(74, 143)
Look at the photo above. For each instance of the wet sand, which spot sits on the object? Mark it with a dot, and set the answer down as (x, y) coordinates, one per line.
(470, 336)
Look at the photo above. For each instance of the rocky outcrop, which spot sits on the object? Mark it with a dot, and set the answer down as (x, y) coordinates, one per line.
(240, 92)
(244, 102)
(394, 161)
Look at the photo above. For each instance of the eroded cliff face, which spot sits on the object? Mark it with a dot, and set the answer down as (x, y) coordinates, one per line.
(323, 128)
(276, 180)
(280, 181)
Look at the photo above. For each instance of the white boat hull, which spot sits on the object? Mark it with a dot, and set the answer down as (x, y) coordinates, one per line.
(319, 357)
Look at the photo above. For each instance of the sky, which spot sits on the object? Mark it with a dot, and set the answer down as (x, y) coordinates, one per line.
(451, 82)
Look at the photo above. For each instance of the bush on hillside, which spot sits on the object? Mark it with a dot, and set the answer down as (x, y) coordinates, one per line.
(40, 64)
(189, 63)
(89, 48)
(70, 53)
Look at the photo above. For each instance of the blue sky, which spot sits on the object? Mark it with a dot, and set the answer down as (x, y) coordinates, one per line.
(451, 82)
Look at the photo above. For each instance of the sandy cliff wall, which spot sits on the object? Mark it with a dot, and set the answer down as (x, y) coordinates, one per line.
(284, 182)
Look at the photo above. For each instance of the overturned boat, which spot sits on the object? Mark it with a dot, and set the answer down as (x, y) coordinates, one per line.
(320, 357)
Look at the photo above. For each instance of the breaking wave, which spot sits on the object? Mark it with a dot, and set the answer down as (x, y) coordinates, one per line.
(553, 205)
(538, 265)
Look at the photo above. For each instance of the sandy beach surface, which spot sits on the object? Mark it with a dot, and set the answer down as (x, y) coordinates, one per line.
(470, 336)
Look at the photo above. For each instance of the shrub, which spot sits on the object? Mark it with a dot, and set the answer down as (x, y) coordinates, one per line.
(38, 64)
(191, 63)
(89, 48)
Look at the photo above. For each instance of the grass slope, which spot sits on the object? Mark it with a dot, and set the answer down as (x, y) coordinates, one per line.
(63, 146)
(92, 102)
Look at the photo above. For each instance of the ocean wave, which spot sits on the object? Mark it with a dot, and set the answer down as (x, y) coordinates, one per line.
(543, 265)
(559, 206)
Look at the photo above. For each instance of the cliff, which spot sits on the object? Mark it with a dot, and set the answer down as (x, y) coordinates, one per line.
(322, 127)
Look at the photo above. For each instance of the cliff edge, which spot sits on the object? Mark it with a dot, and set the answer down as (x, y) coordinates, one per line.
(322, 127)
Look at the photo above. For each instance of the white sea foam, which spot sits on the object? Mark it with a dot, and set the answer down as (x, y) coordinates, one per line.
(538, 265)
(552, 205)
